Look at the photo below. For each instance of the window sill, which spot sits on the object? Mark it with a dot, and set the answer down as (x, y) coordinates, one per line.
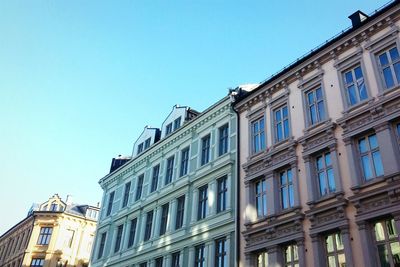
(334, 195)
(359, 105)
(369, 183)
(386, 91)
(311, 128)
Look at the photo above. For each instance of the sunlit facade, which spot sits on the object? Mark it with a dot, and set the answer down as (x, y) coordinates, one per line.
(319, 154)
(55, 233)
(173, 203)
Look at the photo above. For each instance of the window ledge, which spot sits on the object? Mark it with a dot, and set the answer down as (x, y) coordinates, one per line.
(372, 182)
(359, 105)
(334, 195)
(387, 91)
(317, 125)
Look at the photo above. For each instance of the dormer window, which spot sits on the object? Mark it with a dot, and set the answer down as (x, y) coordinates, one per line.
(140, 148)
(168, 129)
(53, 207)
(147, 143)
(177, 123)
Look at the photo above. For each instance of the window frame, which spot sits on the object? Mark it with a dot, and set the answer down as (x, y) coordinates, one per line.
(293, 251)
(258, 137)
(169, 170)
(390, 65)
(110, 203)
(127, 191)
(199, 255)
(44, 236)
(223, 139)
(388, 240)
(180, 212)
(319, 118)
(202, 205)
(264, 198)
(177, 123)
(148, 225)
(289, 185)
(205, 150)
(147, 143)
(184, 166)
(336, 252)
(37, 262)
(168, 129)
(158, 262)
(324, 170)
(154, 178)
(102, 244)
(132, 232)
(369, 153)
(118, 238)
(164, 219)
(221, 256)
(222, 193)
(175, 262)
(139, 187)
(279, 107)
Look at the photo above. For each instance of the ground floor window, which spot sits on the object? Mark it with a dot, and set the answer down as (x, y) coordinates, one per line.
(262, 259)
(291, 255)
(334, 249)
(387, 243)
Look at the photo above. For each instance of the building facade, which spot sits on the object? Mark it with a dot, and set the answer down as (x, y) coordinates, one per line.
(55, 233)
(319, 154)
(173, 203)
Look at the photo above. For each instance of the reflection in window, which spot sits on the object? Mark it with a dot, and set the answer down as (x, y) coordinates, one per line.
(281, 120)
(326, 179)
(291, 256)
(356, 90)
(335, 250)
(261, 198)
(370, 157)
(387, 243)
(258, 135)
(315, 106)
(389, 64)
(286, 189)
(262, 259)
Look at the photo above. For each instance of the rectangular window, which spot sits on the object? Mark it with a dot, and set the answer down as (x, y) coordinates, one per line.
(118, 240)
(205, 149)
(326, 178)
(199, 258)
(177, 123)
(102, 245)
(221, 259)
(180, 212)
(139, 187)
(143, 264)
(159, 262)
(222, 190)
(389, 67)
(154, 179)
(147, 143)
(45, 235)
(110, 203)
(126, 194)
(291, 256)
(202, 205)
(170, 170)
(132, 232)
(286, 189)
(258, 135)
(370, 157)
(387, 243)
(223, 140)
(168, 129)
(334, 249)
(176, 259)
(398, 131)
(149, 224)
(36, 262)
(315, 106)
(184, 161)
(261, 198)
(355, 88)
(281, 123)
(164, 218)
(140, 148)
(262, 259)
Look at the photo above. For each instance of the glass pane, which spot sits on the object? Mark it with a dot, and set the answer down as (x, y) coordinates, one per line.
(258, 188)
(379, 232)
(383, 59)
(278, 115)
(395, 248)
(391, 229)
(352, 95)
(284, 112)
(342, 260)
(261, 124)
(383, 256)
(362, 90)
(396, 67)
(255, 127)
(288, 254)
(348, 77)
(331, 180)
(291, 196)
(331, 261)
(320, 163)
(313, 114)
(328, 159)
(295, 253)
(373, 143)
(339, 241)
(377, 163)
(264, 185)
(259, 206)
(265, 205)
(394, 54)
(262, 140)
(284, 195)
(322, 184)
(310, 97)
(362, 145)
(283, 178)
(329, 243)
(321, 110)
(387, 74)
(366, 167)
(286, 128)
(358, 73)
(279, 134)
(289, 175)
(319, 93)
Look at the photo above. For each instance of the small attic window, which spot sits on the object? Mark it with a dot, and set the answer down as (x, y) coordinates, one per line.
(54, 206)
(177, 123)
(140, 148)
(168, 129)
(147, 143)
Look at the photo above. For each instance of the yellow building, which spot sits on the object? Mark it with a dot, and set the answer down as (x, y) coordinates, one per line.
(55, 233)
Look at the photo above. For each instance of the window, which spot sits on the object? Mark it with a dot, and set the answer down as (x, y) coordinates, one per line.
(154, 179)
(180, 212)
(286, 189)
(69, 237)
(140, 148)
(164, 218)
(36, 262)
(221, 259)
(168, 129)
(221, 193)
(199, 259)
(389, 67)
(102, 245)
(223, 140)
(258, 135)
(177, 123)
(355, 88)
(159, 262)
(397, 130)
(281, 123)
(262, 259)
(118, 240)
(170, 170)
(45, 235)
(205, 149)
(184, 161)
(261, 198)
(176, 259)
(110, 203)
(132, 232)
(147, 143)
(291, 256)
(334, 250)
(149, 224)
(203, 197)
(326, 179)
(315, 106)
(386, 240)
(370, 156)
(143, 264)
(126, 194)
(139, 187)
(53, 207)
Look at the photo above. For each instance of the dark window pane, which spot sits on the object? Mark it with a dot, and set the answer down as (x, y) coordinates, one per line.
(321, 111)
(376, 156)
(394, 54)
(387, 74)
(383, 59)
(348, 77)
(366, 167)
(319, 94)
(352, 95)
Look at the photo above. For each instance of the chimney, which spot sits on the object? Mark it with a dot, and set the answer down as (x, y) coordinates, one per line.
(68, 201)
(357, 18)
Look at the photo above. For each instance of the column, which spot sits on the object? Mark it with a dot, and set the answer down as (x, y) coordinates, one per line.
(152, 263)
(355, 181)
(172, 215)
(365, 239)
(229, 192)
(387, 148)
(167, 260)
(209, 253)
(296, 182)
(336, 169)
(212, 198)
(301, 252)
(271, 193)
(195, 205)
(344, 231)
(186, 210)
(249, 200)
(191, 256)
(142, 228)
(248, 261)
(273, 257)
(318, 251)
(309, 179)
(156, 221)
(229, 252)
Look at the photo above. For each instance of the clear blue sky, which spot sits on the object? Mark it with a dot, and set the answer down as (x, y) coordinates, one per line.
(80, 79)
